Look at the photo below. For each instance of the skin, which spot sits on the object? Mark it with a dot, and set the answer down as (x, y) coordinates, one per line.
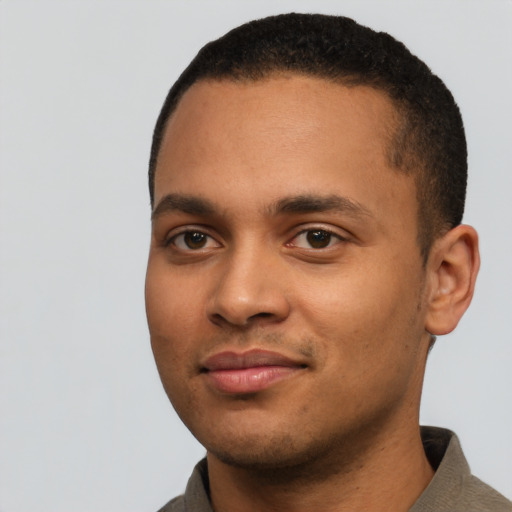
(355, 312)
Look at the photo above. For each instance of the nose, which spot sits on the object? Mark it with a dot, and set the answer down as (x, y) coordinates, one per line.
(250, 289)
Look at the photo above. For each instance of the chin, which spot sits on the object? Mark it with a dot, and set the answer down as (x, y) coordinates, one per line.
(257, 455)
(271, 453)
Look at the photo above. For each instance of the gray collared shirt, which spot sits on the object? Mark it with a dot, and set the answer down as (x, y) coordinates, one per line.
(453, 488)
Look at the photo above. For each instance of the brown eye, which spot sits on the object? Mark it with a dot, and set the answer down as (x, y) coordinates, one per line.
(194, 240)
(318, 239)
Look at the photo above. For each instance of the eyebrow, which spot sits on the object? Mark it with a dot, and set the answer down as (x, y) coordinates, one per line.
(314, 203)
(301, 204)
(191, 205)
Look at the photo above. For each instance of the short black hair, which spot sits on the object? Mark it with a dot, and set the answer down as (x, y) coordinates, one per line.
(429, 140)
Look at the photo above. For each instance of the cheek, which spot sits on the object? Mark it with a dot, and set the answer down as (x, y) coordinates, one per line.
(369, 346)
(172, 328)
(172, 319)
(361, 312)
(172, 300)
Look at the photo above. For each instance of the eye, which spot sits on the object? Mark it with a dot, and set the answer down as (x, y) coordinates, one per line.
(316, 239)
(193, 240)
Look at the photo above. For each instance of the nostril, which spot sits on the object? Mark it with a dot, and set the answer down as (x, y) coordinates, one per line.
(219, 319)
(261, 315)
(247, 303)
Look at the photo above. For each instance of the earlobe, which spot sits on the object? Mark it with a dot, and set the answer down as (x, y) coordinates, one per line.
(452, 269)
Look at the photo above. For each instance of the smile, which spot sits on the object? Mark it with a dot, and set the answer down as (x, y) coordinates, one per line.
(249, 372)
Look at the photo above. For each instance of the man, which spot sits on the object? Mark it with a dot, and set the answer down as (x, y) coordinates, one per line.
(307, 180)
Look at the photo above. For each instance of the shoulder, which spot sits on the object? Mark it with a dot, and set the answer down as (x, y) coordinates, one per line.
(480, 497)
(454, 488)
(196, 497)
(175, 505)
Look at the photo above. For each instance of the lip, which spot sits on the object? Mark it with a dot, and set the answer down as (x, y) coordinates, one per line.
(248, 372)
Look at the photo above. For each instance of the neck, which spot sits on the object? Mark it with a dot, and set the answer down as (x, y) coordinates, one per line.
(388, 473)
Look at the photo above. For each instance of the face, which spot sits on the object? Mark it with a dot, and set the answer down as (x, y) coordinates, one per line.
(284, 285)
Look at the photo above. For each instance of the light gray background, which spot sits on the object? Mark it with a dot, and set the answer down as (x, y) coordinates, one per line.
(84, 423)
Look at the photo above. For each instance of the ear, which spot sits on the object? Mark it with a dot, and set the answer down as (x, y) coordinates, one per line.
(453, 265)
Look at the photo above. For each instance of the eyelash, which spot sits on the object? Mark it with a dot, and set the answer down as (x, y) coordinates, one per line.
(330, 233)
(171, 240)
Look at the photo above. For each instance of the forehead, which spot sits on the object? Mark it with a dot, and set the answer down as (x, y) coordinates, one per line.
(292, 134)
(291, 105)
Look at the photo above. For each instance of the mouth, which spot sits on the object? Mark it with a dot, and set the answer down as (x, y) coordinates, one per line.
(248, 372)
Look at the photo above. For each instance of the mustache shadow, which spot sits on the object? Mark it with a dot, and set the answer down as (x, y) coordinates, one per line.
(258, 338)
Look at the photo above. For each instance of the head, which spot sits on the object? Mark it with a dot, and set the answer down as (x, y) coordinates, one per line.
(427, 139)
(307, 179)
